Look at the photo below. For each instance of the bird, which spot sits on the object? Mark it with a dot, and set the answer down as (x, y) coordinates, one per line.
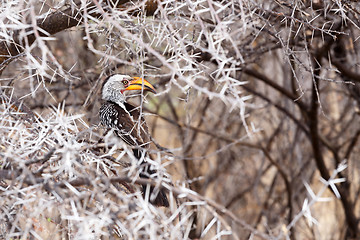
(128, 124)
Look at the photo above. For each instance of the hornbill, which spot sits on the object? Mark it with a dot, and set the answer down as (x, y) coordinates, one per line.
(128, 124)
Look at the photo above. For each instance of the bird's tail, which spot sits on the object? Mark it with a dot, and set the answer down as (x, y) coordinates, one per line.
(161, 199)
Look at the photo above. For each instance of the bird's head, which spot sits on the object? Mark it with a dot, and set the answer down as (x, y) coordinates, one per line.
(117, 87)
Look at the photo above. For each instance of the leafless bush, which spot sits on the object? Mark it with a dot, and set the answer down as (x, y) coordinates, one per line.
(255, 124)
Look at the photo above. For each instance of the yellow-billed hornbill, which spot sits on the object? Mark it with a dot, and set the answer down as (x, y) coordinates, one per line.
(127, 123)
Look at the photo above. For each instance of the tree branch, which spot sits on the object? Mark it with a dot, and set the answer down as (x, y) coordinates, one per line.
(54, 23)
(51, 186)
(280, 89)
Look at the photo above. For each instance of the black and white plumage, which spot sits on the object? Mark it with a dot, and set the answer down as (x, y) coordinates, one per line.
(127, 122)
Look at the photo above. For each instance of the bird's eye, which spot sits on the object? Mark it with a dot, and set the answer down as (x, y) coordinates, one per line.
(125, 82)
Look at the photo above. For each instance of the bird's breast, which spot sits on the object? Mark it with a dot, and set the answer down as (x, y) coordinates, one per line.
(109, 115)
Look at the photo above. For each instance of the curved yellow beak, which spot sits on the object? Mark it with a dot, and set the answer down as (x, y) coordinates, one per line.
(140, 83)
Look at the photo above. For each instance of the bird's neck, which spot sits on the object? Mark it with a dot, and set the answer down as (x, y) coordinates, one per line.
(115, 97)
(119, 103)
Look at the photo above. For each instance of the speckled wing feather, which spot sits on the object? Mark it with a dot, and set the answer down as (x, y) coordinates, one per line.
(126, 126)
(140, 124)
